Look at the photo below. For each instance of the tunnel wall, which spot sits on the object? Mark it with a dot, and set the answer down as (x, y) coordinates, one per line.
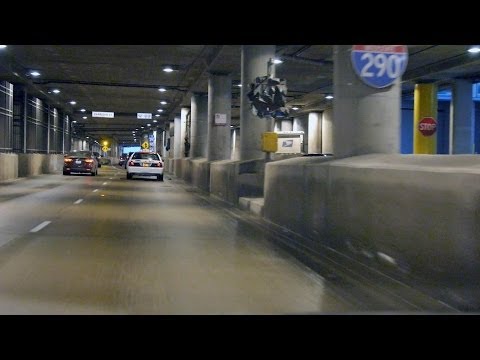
(200, 173)
(8, 166)
(417, 213)
(230, 180)
(30, 164)
(187, 170)
(288, 199)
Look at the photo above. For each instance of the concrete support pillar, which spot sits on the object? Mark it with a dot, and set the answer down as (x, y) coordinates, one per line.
(314, 133)
(177, 137)
(461, 118)
(199, 118)
(287, 124)
(327, 133)
(171, 138)
(183, 130)
(425, 118)
(366, 119)
(278, 126)
(219, 117)
(254, 63)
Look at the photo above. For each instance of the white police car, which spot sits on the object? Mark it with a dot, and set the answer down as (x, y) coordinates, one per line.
(142, 163)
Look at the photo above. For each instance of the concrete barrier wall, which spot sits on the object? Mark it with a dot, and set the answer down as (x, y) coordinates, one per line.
(223, 180)
(177, 167)
(200, 169)
(8, 166)
(52, 164)
(417, 213)
(288, 200)
(187, 170)
(30, 164)
(230, 179)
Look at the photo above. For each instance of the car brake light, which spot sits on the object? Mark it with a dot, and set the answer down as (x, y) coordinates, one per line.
(67, 160)
(89, 160)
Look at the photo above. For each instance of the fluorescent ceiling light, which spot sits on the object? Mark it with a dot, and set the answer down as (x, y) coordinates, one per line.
(34, 73)
(83, 110)
(84, 117)
(73, 102)
(3, 46)
(163, 102)
(294, 107)
(168, 69)
(162, 89)
(474, 49)
(157, 115)
(160, 110)
(329, 97)
(56, 91)
(277, 61)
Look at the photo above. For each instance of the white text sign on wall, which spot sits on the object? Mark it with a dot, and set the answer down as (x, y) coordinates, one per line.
(102, 114)
(144, 115)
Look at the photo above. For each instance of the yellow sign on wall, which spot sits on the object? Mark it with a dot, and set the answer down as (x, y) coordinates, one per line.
(269, 142)
(105, 148)
(145, 145)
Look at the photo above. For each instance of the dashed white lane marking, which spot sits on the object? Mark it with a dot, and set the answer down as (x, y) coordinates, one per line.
(40, 226)
(95, 190)
(78, 201)
(105, 183)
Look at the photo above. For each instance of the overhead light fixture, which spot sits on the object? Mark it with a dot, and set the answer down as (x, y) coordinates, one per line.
(160, 110)
(163, 102)
(168, 69)
(157, 115)
(474, 49)
(155, 121)
(34, 73)
(295, 107)
(73, 102)
(83, 110)
(329, 97)
(84, 117)
(55, 91)
(149, 124)
(277, 61)
(239, 85)
(162, 89)
(3, 46)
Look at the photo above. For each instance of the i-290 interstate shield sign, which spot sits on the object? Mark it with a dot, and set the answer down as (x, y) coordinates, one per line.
(379, 65)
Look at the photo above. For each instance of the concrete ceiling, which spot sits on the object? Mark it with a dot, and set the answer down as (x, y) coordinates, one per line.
(124, 79)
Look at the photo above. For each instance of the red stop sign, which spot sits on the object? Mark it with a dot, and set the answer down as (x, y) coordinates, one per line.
(427, 126)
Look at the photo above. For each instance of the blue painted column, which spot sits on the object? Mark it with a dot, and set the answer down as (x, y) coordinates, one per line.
(461, 118)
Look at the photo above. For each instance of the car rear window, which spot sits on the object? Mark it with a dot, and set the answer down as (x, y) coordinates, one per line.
(145, 156)
(80, 154)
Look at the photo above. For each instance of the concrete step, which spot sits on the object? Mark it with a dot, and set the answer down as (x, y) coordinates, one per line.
(252, 204)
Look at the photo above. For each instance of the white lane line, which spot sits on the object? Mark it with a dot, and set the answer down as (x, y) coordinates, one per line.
(78, 201)
(95, 190)
(40, 227)
(105, 183)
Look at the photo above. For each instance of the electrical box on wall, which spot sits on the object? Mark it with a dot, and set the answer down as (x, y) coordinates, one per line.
(269, 142)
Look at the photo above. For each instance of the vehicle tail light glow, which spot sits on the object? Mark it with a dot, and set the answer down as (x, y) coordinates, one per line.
(89, 160)
(68, 160)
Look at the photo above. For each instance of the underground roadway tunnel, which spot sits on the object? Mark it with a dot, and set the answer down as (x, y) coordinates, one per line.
(353, 192)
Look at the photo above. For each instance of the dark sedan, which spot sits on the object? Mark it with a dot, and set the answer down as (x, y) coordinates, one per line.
(82, 162)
